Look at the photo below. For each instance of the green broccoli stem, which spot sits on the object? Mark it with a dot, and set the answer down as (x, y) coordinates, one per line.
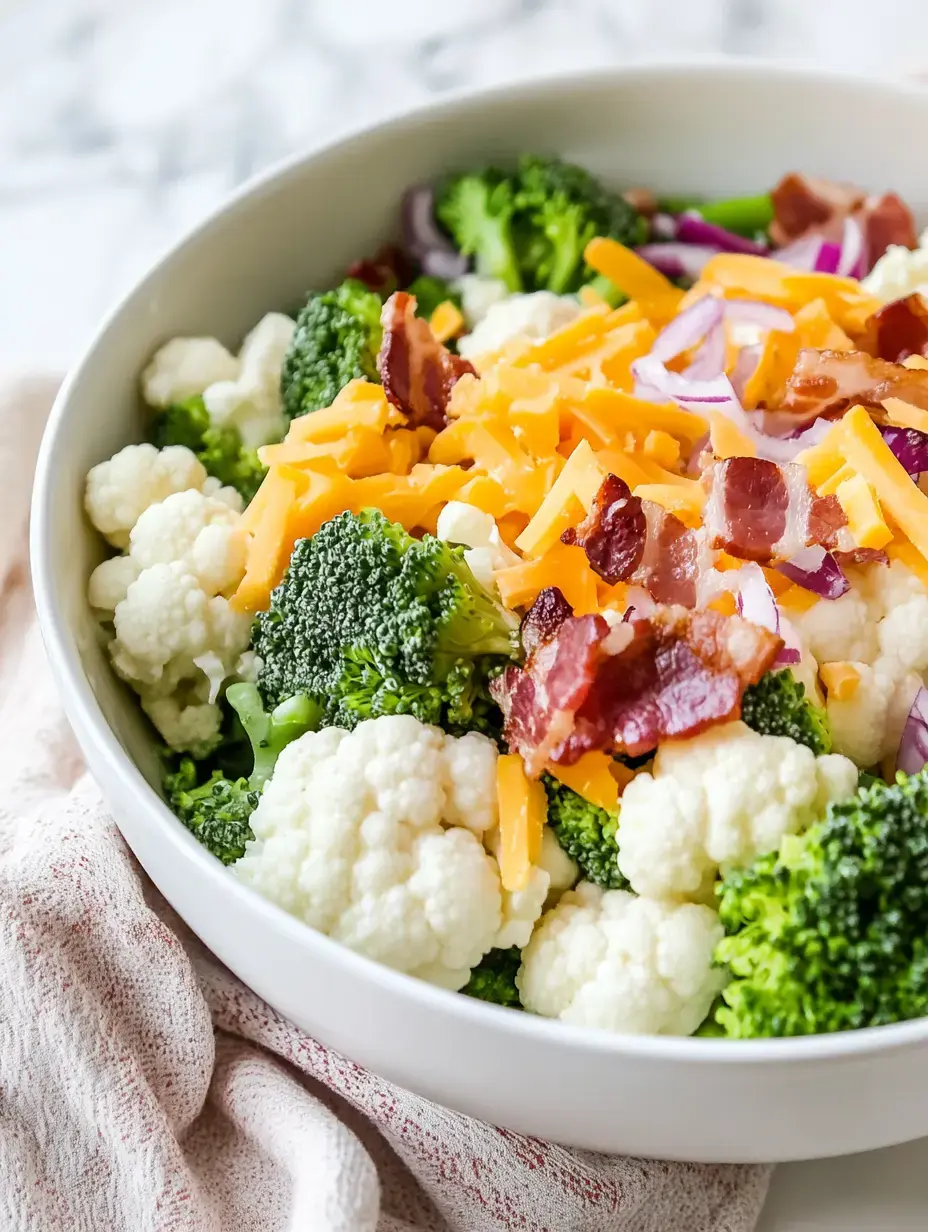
(742, 215)
(271, 733)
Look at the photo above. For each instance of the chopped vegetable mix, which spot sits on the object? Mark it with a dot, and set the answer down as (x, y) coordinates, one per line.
(554, 589)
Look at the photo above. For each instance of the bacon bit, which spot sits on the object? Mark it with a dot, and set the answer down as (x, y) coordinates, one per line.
(810, 206)
(899, 330)
(763, 512)
(886, 220)
(627, 539)
(418, 373)
(539, 700)
(826, 383)
(642, 200)
(666, 676)
(544, 618)
(861, 556)
(803, 205)
(388, 269)
(614, 532)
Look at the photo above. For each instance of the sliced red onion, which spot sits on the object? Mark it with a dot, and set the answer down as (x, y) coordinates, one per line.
(755, 598)
(755, 312)
(423, 238)
(745, 366)
(694, 466)
(801, 254)
(817, 571)
(791, 651)
(692, 228)
(676, 260)
(709, 360)
(828, 259)
(687, 328)
(913, 747)
(715, 394)
(909, 446)
(852, 262)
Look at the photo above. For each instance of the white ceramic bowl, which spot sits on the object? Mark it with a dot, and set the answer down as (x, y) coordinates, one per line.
(705, 129)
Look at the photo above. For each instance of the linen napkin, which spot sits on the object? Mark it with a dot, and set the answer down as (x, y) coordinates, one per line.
(143, 1087)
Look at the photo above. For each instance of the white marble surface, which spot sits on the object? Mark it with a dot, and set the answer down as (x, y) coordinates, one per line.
(122, 122)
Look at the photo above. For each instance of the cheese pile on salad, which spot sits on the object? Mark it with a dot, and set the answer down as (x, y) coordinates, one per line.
(543, 611)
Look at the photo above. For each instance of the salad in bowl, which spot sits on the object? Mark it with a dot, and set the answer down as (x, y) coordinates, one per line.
(542, 611)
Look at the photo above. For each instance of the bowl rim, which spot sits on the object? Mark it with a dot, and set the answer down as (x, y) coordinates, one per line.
(85, 713)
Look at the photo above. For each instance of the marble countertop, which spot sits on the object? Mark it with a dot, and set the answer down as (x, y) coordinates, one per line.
(123, 122)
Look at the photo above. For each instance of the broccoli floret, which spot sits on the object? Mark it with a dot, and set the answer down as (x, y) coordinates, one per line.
(494, 979)
(430, 292)
(216, 812)
(587, 833)
(568, 207)
(336, 340)
(371, 621)
(220, 449)
(216, 808)
(777, 706)
(477, 210)
(831, 933)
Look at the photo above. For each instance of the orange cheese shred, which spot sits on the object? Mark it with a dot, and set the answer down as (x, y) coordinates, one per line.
(523, 810)
(591, 777)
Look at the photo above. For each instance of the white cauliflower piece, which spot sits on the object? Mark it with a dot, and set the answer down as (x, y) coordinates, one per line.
(110, 582)
(250, 399)
(563, 872)
(836, 629)
(902, 634)
(486, 552)
(478, 295)
(119, 490)
(621, 963)
(535, 316)
(184, 367)
(720, 798)
(200, 531)
(192, 726)
(867, 725)
(353, 836)
(470, 783)
(900, 272)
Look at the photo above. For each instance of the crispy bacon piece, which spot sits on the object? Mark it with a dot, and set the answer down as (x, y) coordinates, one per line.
(614, 532)
(386, 270)
(627, 539)
(666, 676)
(539, 700)
(828, 382)
(899, 329)
(861, 556)
(418, 373)
(804, 205)
(759, 511)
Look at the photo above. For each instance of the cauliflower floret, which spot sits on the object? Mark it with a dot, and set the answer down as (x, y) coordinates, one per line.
(119, 490)
(250, 399)
(198, 530)
(720, 798)
(903, 634)
(218, 491)
(478, 295)
(353, 835)
(486, 552)
(470, 783)
(563, 872)
(839, 629)
(110, 582)
(900, 272)
(621, 963)
(184, 367)
(866, 726)
(534, 316)
(193, 726)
